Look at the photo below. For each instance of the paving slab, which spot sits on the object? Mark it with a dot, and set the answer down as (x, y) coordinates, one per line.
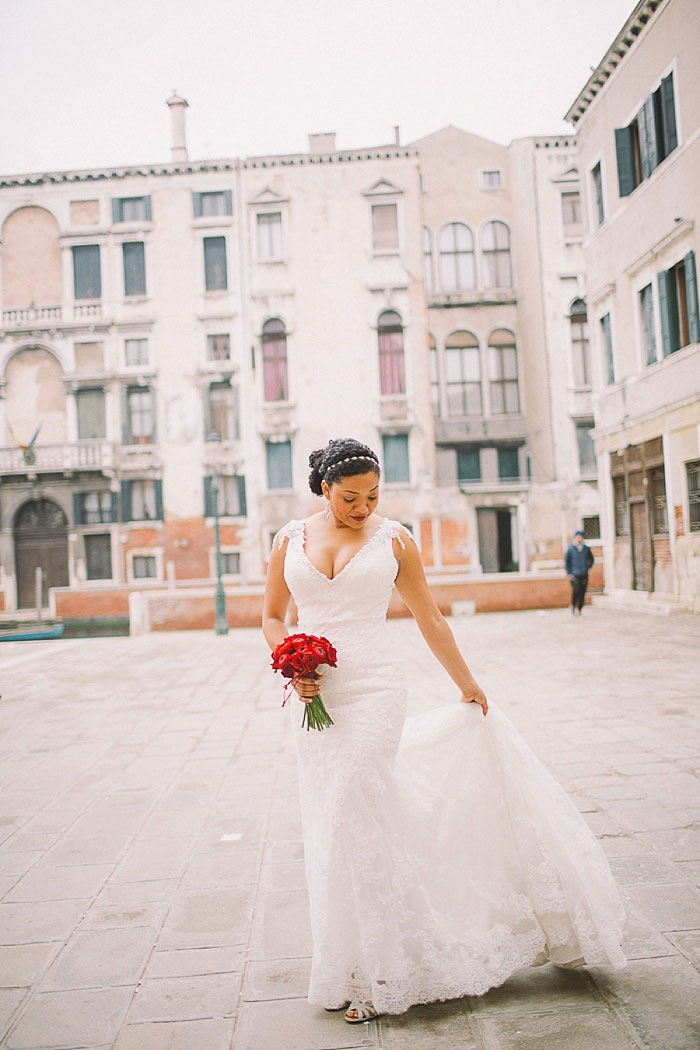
(101, 958)
(212, 1034)
(71, 1019)
(186, 998)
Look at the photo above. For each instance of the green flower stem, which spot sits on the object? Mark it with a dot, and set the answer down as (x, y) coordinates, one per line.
(315, 715)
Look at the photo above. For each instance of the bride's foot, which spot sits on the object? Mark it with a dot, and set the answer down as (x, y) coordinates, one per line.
(334, 1009)
(360, 1011)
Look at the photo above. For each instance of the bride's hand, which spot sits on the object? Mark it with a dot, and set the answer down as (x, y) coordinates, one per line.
(308, 687)
(475, 695)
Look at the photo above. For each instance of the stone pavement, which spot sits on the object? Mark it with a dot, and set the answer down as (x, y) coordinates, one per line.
(151, 880)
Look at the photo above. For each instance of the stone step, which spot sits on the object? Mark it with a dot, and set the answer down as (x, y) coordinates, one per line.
(641, 601)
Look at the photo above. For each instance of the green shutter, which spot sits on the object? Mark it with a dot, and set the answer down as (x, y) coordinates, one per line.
(691, 297)
(670, 136)
(114, 516)
(148, 214)
(625, 161)
(77, 508)
(197, 205)
(126, 425)
(242, 506)
(668, 309)
(126, 500)
(208, 501)
(229, 202)
(116, 209)
(158, 487)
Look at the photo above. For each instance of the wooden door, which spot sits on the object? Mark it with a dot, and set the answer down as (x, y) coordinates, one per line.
(41, 540)
(642, 570)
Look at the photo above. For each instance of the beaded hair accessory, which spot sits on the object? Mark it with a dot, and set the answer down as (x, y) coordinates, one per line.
(350, 459)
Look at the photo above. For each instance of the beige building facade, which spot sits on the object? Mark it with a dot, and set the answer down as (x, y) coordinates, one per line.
(638, 135)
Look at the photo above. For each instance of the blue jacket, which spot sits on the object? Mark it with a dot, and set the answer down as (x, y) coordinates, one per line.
(578, 561)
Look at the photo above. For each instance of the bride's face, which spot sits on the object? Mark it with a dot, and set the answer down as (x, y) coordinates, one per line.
(353, 499)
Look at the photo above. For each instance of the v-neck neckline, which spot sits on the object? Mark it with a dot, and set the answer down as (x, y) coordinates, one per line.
(332, 579)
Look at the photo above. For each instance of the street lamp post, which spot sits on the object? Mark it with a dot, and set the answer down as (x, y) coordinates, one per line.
(220, 621)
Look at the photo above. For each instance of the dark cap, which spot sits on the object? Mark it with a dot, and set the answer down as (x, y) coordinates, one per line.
(578, 533)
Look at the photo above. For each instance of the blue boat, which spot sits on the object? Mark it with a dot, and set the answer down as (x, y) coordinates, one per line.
(32, 634)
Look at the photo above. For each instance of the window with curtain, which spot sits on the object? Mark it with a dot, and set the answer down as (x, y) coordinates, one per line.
(134, 268)
(427, 259)
(212, 203)
(646, 317)
(495, 251)
(586, 448)
(219, 347)
(131, 209)
(580, 347)
(90, 405)
(223, 417)
(274, 351)
(457, 267)
(269, 231)
(396, 464)
(597, 187)
(87, 276)
(231, 496)
(463, 375)
(606, 333)
(215, 271)
(434, 368)
(97, 507)
(144, 567)
(391, 358)
(279, 464)
(503, 373)
(136, 351)
(144, 505)
(140, 419)
(385, 227)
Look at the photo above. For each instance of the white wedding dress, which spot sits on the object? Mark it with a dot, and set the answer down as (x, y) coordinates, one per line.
(441, 856)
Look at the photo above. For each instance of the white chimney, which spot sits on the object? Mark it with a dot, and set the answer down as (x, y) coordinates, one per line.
(322, 143)
(177, 107)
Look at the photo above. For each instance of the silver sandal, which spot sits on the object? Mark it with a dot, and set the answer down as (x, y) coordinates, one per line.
(363, 1010)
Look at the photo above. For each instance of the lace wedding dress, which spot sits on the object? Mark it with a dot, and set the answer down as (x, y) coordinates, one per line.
(441, 856)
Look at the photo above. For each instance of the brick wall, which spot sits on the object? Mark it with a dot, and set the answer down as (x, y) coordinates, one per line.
(82, 604)
(185, 541)
(454, 535)
(426, 542)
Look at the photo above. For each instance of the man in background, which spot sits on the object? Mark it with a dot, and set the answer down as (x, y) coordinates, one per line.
(577, 561)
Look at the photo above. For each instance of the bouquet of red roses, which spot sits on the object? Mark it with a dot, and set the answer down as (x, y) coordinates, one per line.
(298, 656)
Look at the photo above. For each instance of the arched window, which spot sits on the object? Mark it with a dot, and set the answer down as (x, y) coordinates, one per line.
(503, 373)
(457, 270)
(427, 259)
(463, 375)
(274, 347)
(391, 366)
(434, 367)
(578, 319)
(495, 248)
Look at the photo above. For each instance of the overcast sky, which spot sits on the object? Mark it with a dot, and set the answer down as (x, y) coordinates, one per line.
(83, 83)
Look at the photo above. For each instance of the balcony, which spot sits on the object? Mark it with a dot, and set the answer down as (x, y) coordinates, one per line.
(52, 459)
(32, 317)
(480, 428)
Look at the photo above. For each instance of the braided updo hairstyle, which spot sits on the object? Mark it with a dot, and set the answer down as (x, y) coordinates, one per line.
(341, 458)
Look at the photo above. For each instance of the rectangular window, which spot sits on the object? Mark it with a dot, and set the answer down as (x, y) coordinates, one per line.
(622, 519)
(503, 380)
(571, 208)
(134, 268)
(590, 527)
(131, 209)
(87, 277)
(98, 556)
(215, 272)
(209, 204)
(97, 507)
(218, 347)
(144, 567)
(646, 310)
(279, 464)
(468, 463)
(231, 496)
(136, 351)
(222, 413)
(678, 305)
(90, 405)
(385, 228)
(648, 139)
(492, 179)
(434, 369)
(230, 563)
(606, 331)
(140, 421)
(269, 230)
(657, 480)
(144, 505)
(693, 475)
(508, 465)
(586, 448)
(598, 203)
(396, 464)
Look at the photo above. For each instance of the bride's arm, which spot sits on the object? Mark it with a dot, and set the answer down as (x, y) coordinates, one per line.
(276, 597)
(413, 588)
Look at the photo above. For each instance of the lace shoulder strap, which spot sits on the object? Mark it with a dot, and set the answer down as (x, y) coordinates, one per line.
(399, 532)
(292, 528)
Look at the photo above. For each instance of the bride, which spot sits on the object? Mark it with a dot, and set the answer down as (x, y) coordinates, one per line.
(440, 854)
